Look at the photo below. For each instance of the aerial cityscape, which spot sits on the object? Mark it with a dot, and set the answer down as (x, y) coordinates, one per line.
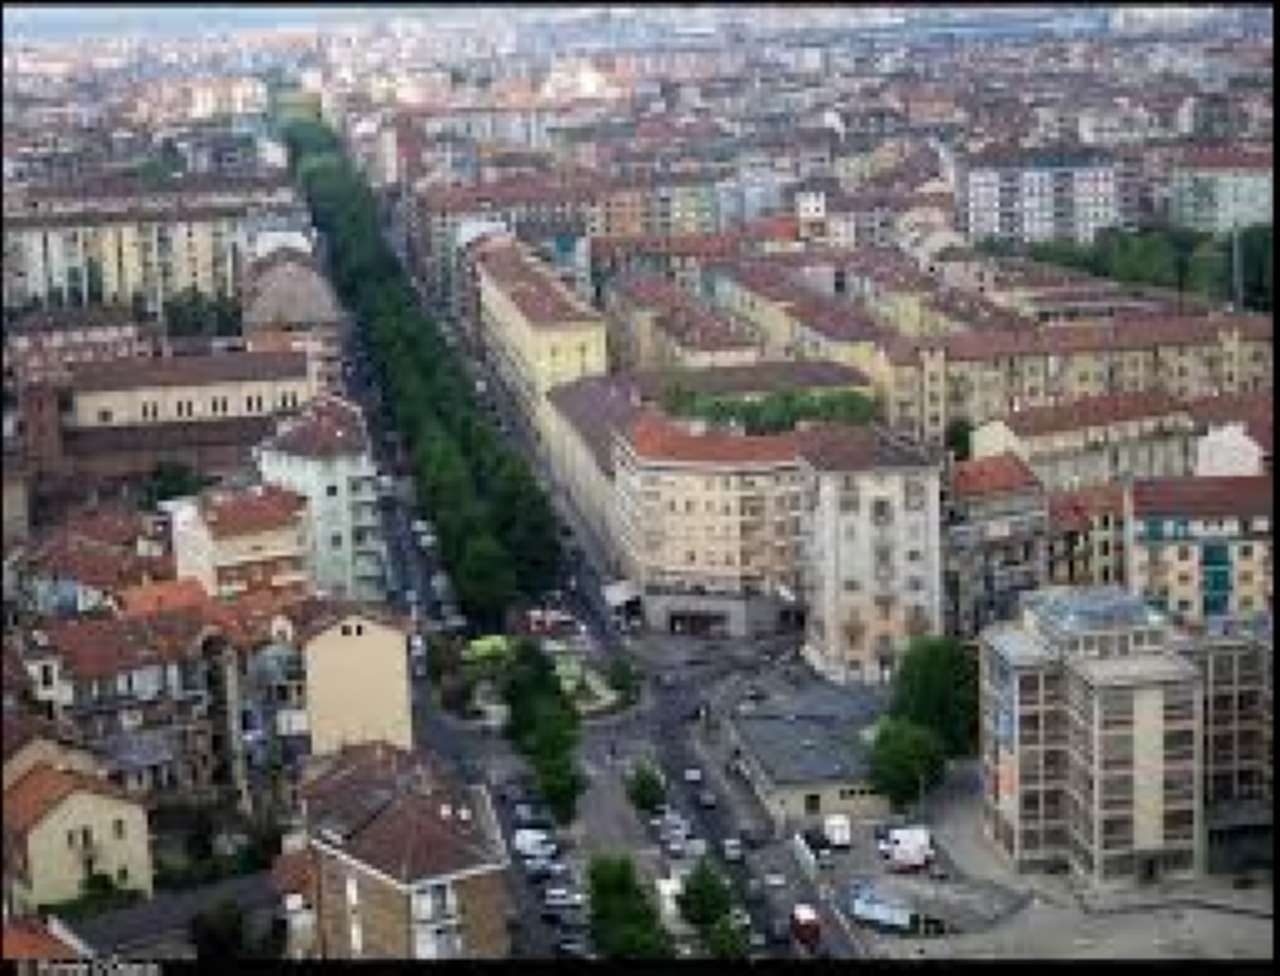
(633, 483)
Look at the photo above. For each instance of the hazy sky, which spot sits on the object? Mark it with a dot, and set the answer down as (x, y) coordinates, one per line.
(48, 23)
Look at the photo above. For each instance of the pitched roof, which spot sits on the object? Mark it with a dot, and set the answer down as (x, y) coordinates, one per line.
(1254, 410)
(754, 378)
(104, 567)
(400, 812)
(327, 426)
(992, 476)
(287, 286)
(313, 615)
(1191, 497)
(29, 938)
(148, 598)
(258, 508)
(42, 789)
(97, 647)
(653, 436)
(1073, 510)
(533, 287)
(294, 873)
(1092, 412)
(862, 448)
(226, 367)
(597, 407)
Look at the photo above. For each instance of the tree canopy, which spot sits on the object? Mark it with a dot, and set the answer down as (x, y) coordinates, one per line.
(624, 920)
(936, 686)
(774, 413)
(905, 759)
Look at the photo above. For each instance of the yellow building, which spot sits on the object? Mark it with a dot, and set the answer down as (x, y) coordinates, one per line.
(357, 684)
(1201, 547)
(977, 376)
(536, 331)
(65, 826)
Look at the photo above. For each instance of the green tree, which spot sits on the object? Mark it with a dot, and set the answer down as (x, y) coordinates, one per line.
(170, 479)
(645, 789)
(486, 581)
(959, 437)
(905, 759)
(725, 940)
(936, 686)
(221, 933)
(705, 898)
(623, 678)
(624, 921)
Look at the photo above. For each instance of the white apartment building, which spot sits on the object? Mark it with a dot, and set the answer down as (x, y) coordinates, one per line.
(323, 454)
(873, 560)
(1217, 190)
(1041, 194)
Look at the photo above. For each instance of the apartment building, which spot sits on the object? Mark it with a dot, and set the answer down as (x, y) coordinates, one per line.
(61, 828)
(288, 305)
(44, 345)
(978, 376)
(119, 419)
(1087, 536)
(129, 244)
(234, 540)
(1201, 547)
(1230, 653)
(406, 861)
(535, 331)
(1096, 440)
(655, 325)
(1034, 195)
(708, 525)
(996, 541)
(872, 562)
(323, 454)
(1220, 189)
(30, 741)
(1092, 739)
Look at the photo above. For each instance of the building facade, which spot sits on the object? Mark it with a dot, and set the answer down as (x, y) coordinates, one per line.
(1217, 191)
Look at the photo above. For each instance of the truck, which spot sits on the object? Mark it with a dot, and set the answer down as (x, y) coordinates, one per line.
(805, 927)
(838, 830)
(869, 907)
(909, 848)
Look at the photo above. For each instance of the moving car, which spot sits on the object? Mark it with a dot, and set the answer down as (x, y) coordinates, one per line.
(563, 898)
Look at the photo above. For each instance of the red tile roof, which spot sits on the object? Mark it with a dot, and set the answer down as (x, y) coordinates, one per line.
(1073, 510)
(682, 317)
(98, 647)
(1256, 411)
(1092, 412)
(42, 789)
(532, 286)
(1226, 157)
(992, 476)
(327, 426)
(177, 594)
(28, 938)
(294, 873)
(259, 508)
(1214, 497)
(656, 438)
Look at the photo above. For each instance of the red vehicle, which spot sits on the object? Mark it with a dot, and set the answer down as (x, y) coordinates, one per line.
(805, 927)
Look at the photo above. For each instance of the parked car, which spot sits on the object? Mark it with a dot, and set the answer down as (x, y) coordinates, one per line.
(420, 527)
(675, 847)
(573, 949)
(695, 847)
(417, 645)
(738, 917)
(731, 847)
(693, 774)
(752, 838)
(707, 799)
(775, 880)
(757, 694)
(563, 898)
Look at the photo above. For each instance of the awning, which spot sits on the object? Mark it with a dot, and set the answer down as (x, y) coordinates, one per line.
(619, 593)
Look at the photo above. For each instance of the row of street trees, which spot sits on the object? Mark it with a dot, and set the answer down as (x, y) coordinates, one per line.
(496, 527)
(624, 919)
(1170, 257)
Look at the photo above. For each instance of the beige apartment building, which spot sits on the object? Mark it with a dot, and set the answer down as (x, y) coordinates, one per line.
(708, 524)
(1092, 739)
(1087, 536)
(537, 333)
(238, 540)
(979, 376)
(655, 325)
(357, 678)
(218, 387)
(1201, 547)
(1096, 440)
(404, 860)
(122, 240)
(61, 827)
(872, 563)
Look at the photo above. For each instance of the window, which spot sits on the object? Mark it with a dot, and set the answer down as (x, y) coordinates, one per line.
(812, 803)
(71, 839)
(335, 540)
(118, 829)
(46, 675)
(331, 491)
(104, 416)
(122, 876)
